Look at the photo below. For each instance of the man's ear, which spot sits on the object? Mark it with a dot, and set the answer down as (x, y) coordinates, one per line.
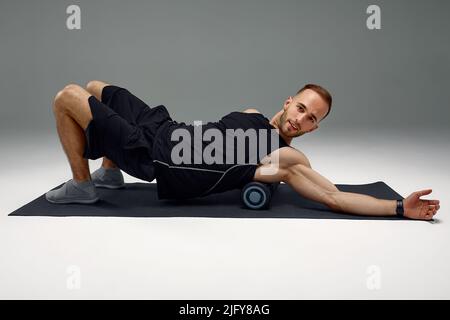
(286, 103)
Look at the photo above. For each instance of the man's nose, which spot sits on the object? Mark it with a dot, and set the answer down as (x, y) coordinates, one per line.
(300, 119)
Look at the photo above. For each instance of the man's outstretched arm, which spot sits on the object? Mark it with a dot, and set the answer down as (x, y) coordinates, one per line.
(311, 185)
(301, 178)
(297, 178)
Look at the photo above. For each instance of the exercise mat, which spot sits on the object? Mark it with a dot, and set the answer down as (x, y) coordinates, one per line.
(141, 200)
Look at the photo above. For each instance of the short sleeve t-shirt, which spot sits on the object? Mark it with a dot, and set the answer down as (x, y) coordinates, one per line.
(198, 160)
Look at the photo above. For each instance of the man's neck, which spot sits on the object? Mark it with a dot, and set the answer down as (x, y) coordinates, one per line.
(275, 121)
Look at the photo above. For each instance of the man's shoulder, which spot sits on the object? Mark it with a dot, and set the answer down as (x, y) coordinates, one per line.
(251, 110)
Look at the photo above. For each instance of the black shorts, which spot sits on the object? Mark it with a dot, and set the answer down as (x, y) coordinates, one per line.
(123, 129)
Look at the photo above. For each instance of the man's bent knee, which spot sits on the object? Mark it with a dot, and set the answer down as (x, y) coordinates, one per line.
(57, 101)
(61, 98)
(95, 87)
(72, 86)
(92, 85)
(64, 96)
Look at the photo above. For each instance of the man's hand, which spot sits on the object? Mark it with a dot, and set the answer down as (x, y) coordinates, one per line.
(416, 208)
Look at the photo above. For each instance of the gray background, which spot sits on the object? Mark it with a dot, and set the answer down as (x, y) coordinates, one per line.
(205, 58)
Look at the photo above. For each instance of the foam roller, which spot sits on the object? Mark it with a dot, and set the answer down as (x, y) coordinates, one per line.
(257, 195)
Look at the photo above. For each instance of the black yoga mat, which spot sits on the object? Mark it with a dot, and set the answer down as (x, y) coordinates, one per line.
(140, 200)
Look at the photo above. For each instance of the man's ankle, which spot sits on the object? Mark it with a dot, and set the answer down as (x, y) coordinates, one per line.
(81, 180)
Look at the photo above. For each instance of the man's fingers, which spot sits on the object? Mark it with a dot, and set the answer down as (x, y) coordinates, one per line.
(434, 207)
(423, 192)
(432, 210)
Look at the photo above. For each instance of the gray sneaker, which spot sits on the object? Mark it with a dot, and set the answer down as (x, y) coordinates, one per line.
(73, 192)
(108, 178)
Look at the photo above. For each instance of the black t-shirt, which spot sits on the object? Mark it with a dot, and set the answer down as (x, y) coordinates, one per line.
(194, 178)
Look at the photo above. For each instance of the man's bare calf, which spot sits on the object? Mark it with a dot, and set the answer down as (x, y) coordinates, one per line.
(73, 114)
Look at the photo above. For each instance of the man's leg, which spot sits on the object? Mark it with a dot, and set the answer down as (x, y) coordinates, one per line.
(95, 88)
(134, 120)
(73, 114)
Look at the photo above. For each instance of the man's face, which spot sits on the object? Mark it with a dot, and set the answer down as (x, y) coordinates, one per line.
(302, 113)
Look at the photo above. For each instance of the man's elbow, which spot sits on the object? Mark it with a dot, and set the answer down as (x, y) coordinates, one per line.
(332, 201)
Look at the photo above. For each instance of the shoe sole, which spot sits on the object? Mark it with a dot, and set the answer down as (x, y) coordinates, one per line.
(87, 201)
(108, 186)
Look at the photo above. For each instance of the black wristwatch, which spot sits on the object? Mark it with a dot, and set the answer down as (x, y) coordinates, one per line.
(399, 209)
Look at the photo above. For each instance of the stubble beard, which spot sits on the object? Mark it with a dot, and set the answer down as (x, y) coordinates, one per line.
(283, 121)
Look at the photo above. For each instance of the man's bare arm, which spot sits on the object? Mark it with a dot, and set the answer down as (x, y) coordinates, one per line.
(286, 157)
(361, 204)
(338, 201)
(311, 185)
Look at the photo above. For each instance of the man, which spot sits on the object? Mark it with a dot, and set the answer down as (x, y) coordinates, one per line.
(107, 121)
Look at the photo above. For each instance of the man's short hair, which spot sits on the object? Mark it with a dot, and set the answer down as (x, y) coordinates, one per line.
(320, 91)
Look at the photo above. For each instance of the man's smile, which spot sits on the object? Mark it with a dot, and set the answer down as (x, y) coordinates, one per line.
(292, 126)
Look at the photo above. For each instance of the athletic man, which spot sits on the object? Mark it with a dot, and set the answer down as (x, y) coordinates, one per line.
(107, 121)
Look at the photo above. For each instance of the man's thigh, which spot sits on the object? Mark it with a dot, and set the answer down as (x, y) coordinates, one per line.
(126, 104)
